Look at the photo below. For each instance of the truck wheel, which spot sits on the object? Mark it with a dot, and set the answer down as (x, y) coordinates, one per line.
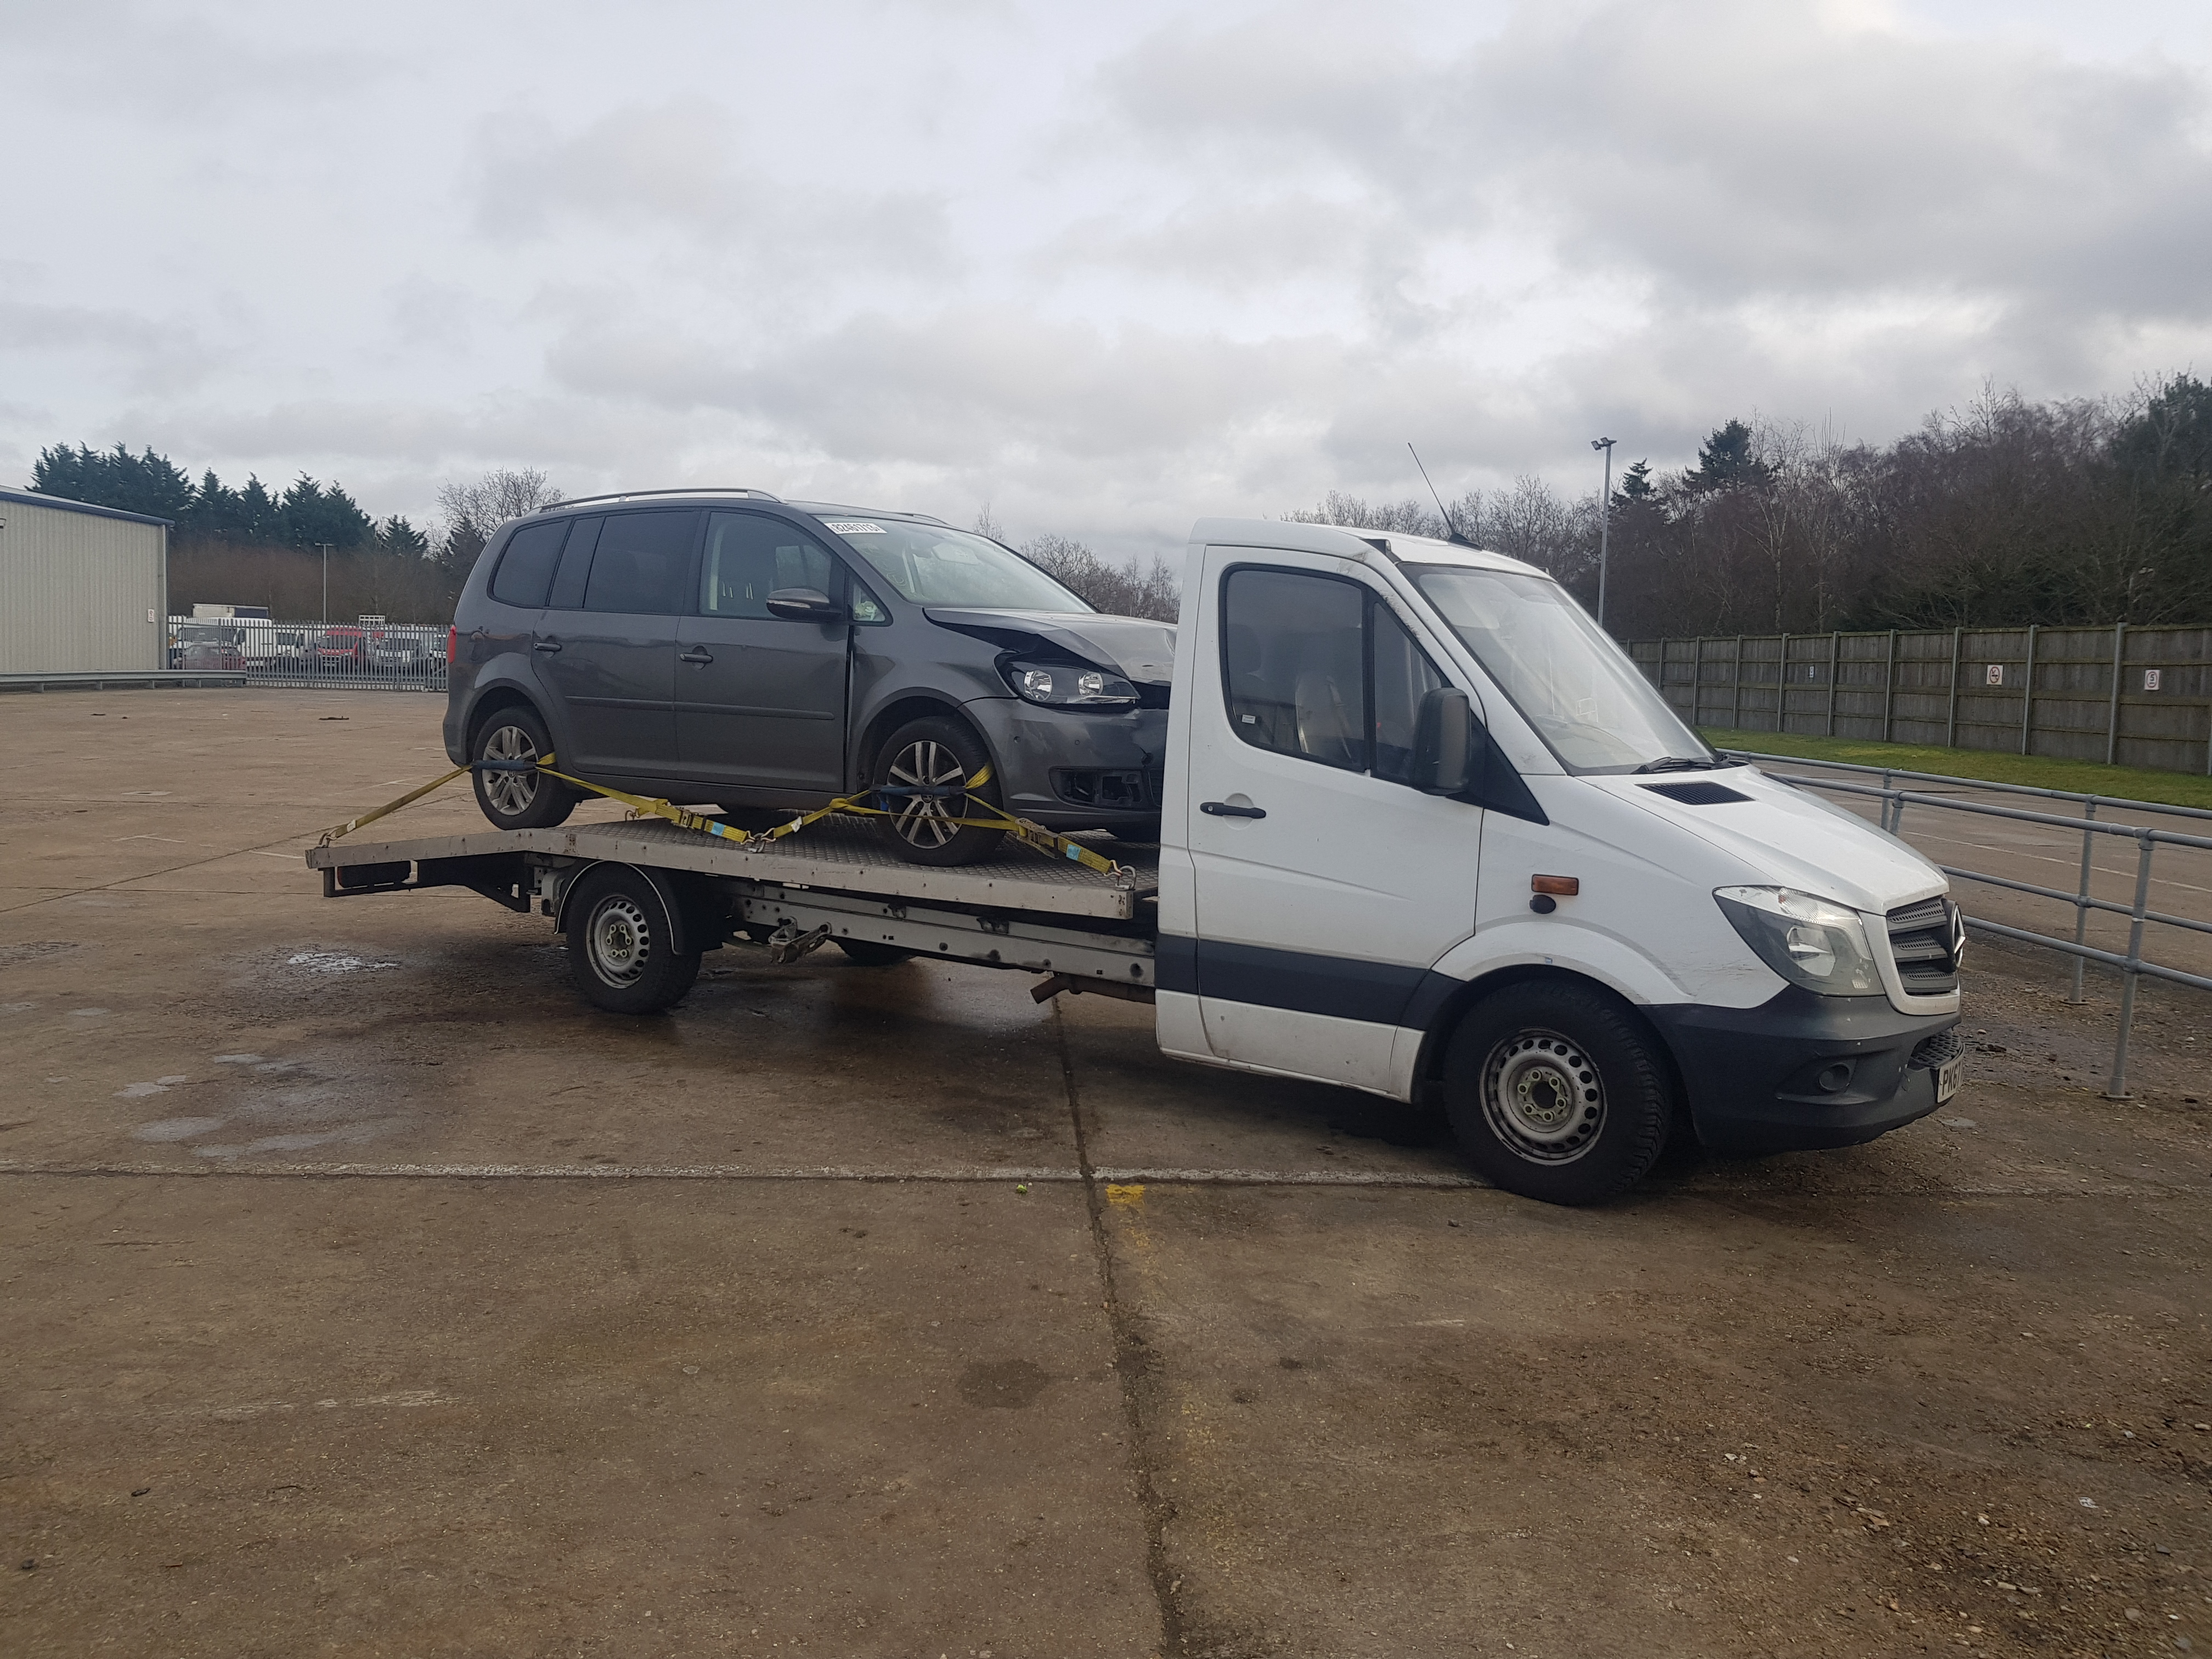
(867, 954)
(938, 752)
(519, 800)
(620, 935)
(1557, 1093)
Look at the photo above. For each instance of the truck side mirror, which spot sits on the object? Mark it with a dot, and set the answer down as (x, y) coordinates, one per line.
(1443, 741)
(805, 604)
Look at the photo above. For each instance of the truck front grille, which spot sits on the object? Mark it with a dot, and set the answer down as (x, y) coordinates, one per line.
(1925, 939)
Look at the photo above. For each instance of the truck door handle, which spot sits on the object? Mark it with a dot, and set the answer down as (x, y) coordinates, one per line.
(546, 645)
(1222, 809)
(698, 653)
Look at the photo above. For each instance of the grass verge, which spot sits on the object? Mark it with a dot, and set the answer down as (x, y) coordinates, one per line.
(2084, 777)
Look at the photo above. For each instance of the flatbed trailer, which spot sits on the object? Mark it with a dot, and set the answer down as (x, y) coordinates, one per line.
(835, 882)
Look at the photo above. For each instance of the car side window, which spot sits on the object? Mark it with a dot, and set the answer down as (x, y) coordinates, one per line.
(1319, 667)
(641, 564)
(1293, 657)
(749, 555)
(568, 593)
(526, 569)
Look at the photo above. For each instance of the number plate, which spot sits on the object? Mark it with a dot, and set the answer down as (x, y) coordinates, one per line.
(1946, 1079)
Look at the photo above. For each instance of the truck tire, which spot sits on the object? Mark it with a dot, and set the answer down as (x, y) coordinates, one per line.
(620, 943)
(1557, 1092)
(518, 801)
(942, 751)
(868, 953)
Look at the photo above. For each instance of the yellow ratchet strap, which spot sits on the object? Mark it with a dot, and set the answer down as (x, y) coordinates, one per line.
(1034, 836)
(407, 800)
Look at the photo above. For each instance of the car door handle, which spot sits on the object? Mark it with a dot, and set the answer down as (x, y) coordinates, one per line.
(1222, 809)
(698, 653)
(546, 645)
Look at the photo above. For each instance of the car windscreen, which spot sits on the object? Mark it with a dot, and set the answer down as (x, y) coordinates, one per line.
(933, 565)
(1566, 675)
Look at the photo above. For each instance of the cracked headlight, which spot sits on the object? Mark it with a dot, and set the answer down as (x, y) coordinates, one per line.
(1813, 942)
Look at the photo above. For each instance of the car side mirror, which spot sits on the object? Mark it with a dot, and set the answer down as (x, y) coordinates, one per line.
(805, 604)
(1443, 741)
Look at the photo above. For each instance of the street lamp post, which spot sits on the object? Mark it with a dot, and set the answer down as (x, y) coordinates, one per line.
(1604, 522)
(326, 546)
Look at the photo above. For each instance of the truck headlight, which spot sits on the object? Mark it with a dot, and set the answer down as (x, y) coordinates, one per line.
(1070, 685)
(1811, 942)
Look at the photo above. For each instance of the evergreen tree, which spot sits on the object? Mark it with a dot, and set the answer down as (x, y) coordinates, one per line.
(396, 535)
(1636, 488)
(314, 514)
(147, 482)
(1727, 460)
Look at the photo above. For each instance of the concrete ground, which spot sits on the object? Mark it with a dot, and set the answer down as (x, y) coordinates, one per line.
(366, 1294)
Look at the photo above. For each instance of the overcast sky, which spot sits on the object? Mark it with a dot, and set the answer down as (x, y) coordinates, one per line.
(1107, 267)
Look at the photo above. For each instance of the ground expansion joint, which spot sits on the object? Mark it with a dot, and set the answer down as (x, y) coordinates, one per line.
(1131, 1364)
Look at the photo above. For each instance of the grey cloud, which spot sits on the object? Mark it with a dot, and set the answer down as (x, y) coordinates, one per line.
(1734, 148)
(151, 355)
(677, 168)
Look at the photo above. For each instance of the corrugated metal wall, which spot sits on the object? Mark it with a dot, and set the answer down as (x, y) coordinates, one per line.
(2141, 697)
(75, 590)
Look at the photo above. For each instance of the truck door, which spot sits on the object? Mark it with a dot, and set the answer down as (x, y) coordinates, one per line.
(606, 642)
(1326, 884)
(760, 698)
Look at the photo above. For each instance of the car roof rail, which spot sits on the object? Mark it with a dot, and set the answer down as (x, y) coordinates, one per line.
(695, 489)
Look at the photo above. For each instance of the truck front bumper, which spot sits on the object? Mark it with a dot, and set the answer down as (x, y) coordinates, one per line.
(1804, 1072)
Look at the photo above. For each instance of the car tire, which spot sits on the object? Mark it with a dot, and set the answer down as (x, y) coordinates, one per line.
(867, 954)
(941, 751)
(1557, 1091)
(518, 801)
(620, 939)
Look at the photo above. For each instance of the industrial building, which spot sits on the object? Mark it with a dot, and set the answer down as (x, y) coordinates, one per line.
(84, 589)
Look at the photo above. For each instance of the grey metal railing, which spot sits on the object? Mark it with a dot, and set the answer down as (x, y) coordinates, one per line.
(2132, 966)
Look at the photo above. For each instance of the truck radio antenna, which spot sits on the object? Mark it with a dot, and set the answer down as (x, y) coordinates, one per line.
(1451, 530)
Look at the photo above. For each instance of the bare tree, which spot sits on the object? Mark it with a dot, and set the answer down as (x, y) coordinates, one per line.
(473, 511)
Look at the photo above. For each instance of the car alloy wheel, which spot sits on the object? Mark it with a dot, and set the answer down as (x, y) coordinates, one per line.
(512, 793)
(926, 821)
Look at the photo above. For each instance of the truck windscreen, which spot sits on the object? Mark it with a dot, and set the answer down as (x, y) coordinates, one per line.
(1566, 677)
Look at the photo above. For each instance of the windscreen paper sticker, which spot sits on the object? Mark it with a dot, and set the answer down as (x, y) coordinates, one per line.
(855, 527)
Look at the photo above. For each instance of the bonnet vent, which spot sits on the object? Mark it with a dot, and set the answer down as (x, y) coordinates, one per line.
(1700, 793)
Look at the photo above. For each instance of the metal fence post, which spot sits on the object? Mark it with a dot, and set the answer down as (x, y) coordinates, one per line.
(2117, 1088)
(2112, 717)
(1735, 689)
(2027, 692)
(2081, 907)
(1889, 688)
(1835, 643)
(1782, 688)
(1697, 683)
(1951, 722)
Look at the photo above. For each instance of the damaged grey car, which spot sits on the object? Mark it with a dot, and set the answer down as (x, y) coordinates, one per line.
(727, 648)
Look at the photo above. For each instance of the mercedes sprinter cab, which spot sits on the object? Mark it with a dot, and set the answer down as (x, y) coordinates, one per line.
(1429, 834)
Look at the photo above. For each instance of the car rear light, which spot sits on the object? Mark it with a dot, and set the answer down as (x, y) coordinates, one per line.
(452, 644)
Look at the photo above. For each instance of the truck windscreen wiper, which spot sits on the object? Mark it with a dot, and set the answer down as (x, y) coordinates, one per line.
(1682, 763)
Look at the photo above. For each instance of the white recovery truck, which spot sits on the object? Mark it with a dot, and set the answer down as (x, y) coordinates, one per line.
(1427, 832)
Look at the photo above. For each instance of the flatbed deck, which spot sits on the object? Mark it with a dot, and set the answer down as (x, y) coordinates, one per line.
(830, 856)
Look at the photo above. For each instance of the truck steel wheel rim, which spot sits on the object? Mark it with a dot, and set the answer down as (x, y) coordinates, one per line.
(510, 793)
(1542, 1096)
(923, 821)
(620, 938)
